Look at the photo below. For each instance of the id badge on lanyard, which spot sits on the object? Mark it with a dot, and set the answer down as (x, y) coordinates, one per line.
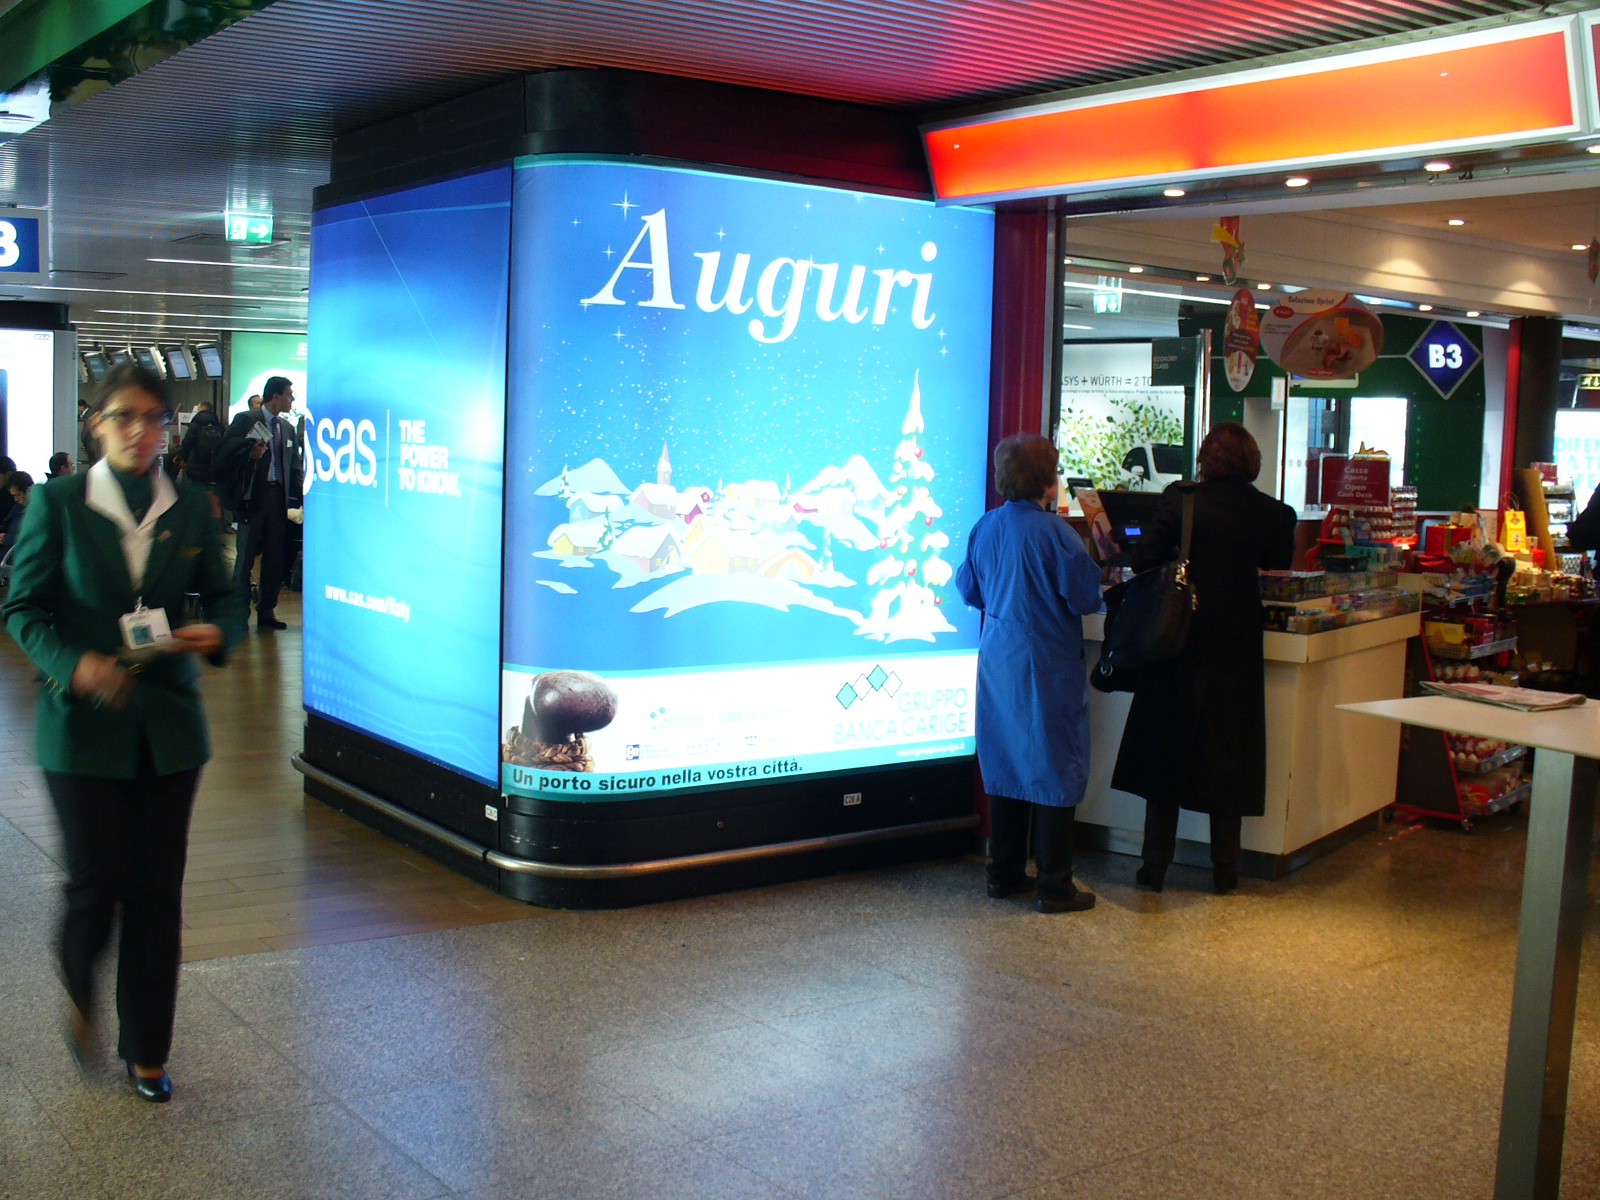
(145, 629)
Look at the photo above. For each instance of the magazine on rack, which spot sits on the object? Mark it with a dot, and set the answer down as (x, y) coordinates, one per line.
(1522, 699)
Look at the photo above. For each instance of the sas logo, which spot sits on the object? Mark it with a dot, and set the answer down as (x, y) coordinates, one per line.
(342, 452)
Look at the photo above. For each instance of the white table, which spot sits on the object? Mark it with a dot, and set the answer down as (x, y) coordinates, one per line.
(1555, 898)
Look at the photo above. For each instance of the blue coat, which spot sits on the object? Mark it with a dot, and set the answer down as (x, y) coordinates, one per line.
(1028, 572)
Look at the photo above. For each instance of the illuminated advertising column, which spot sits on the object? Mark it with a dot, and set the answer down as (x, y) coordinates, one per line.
(746, 438)
(405, 442)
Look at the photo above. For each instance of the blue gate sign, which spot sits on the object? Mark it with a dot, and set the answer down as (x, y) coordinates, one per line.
(20, 240)
(1445, 357)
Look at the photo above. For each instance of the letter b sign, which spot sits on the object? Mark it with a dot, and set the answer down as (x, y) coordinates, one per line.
(1449, 356)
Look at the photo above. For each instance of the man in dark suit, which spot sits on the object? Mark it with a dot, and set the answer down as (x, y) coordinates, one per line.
(261, 461)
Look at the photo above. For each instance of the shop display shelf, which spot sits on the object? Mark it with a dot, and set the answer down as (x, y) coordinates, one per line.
(1499, 804)
(1446, 650)
(1509, 754)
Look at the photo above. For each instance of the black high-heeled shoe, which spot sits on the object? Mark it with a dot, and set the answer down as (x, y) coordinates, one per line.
(1224, 879)
(1152, 876)
(157, 1091)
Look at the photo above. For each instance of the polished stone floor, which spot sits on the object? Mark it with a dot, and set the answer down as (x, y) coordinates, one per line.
(893, 1034)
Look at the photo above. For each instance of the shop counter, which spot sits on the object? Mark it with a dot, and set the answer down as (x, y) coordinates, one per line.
(1328, 772)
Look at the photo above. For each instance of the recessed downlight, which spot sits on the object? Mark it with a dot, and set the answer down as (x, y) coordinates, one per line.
(1296, 181)
(1174, 193)
(1424, 308)
(1580, 245)
(1263, 287)
(1437, 167)
(1455, 221)
(1136, 270)
(1472, 312)
(1202, 279)
(1594, 149)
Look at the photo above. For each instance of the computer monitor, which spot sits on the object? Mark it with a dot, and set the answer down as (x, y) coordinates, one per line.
(210, 359)
(149, 358)
(178, 363)
(1129, 513)
(121, 357)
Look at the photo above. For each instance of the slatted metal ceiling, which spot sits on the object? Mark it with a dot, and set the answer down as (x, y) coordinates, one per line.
(248, 114)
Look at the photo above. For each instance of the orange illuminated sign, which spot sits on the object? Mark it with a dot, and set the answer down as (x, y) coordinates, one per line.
(1472, 91)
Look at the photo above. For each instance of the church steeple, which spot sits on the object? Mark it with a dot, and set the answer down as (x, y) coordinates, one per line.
(664, 467)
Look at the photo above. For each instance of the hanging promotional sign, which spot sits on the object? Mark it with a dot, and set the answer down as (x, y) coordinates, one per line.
(1241, 339)
(1322, 335)
(1226, 231)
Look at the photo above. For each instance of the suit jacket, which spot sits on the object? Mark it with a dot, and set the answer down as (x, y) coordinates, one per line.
(234, 463)
(71, 583)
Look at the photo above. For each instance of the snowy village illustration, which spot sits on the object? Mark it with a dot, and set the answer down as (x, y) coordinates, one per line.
(767, 543)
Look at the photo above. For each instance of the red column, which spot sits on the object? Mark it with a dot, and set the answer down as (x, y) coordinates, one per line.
(1024, 324)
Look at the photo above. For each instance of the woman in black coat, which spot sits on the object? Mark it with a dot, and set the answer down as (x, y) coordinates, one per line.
(1196, 735)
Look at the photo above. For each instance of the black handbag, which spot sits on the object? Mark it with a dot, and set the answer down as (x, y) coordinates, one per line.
(1151, 622)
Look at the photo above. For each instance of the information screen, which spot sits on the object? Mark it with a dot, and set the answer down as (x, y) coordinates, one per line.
(746, 440)
(405, 440)
(27, 389)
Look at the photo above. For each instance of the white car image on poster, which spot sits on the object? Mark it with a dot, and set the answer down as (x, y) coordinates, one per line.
(1322, 335)
(747, 425)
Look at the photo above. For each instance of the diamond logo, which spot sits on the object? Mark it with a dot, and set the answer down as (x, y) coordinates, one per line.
(877, 678)
(847, 696)
(892, 684)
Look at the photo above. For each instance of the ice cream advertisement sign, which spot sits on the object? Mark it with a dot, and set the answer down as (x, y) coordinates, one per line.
(1322, 335)
(745, 441)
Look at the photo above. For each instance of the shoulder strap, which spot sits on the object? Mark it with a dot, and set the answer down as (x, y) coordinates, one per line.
(1188, 525)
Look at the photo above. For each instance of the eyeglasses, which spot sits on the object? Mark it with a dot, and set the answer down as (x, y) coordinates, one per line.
(123, 419)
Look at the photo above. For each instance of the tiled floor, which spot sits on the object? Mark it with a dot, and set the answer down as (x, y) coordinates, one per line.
(1339, 1034)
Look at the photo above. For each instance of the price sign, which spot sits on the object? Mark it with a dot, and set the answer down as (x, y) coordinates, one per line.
(1445, 357)
(23, 240)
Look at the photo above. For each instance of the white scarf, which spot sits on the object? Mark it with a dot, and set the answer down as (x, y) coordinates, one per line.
(103, 494)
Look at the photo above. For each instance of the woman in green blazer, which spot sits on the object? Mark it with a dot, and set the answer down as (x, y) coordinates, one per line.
(122, 737)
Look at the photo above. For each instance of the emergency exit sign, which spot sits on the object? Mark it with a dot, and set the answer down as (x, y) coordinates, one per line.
(247, 226)
(1445, 356)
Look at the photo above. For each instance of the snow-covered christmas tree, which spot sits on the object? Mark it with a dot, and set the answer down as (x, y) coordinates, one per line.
(907, 603)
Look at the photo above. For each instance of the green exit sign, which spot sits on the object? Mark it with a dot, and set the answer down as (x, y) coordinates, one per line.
(247, 226)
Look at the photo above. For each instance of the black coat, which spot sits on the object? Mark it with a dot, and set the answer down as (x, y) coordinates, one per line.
(1197, 730)
(242, 480)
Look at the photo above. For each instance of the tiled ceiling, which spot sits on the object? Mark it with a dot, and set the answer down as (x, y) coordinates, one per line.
(142, 171)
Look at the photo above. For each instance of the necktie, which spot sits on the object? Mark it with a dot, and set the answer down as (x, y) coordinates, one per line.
(276, 475)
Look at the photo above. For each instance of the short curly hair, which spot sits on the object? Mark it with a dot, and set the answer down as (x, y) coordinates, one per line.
(1230, 451)
(1025, 465)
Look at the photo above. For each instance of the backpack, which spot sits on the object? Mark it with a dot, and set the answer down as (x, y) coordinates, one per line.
(200, 461)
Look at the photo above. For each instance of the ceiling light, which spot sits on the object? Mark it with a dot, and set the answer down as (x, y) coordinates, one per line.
(1174, 193)
(1132, 291)
(1455, 221)
(1594, 149)
(105, 291)
(1202, 279)
(1263, 287)
(1068, 261)
(1296, 181)
(1437, 167)
(207, 262)
(153, 312)
(1064, 325)
(1424, 308)
(1472, 312)
(1136, 270)
(1580, 245)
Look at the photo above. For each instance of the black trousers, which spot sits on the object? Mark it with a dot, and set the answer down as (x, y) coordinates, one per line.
(126, 841)
(1010, 822)
(264, 530)
(1161, 835)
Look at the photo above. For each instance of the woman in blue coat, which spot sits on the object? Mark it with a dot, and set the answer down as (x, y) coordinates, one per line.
(1028, 572)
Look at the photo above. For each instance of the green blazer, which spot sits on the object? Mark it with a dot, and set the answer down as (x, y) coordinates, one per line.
(70, 584)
